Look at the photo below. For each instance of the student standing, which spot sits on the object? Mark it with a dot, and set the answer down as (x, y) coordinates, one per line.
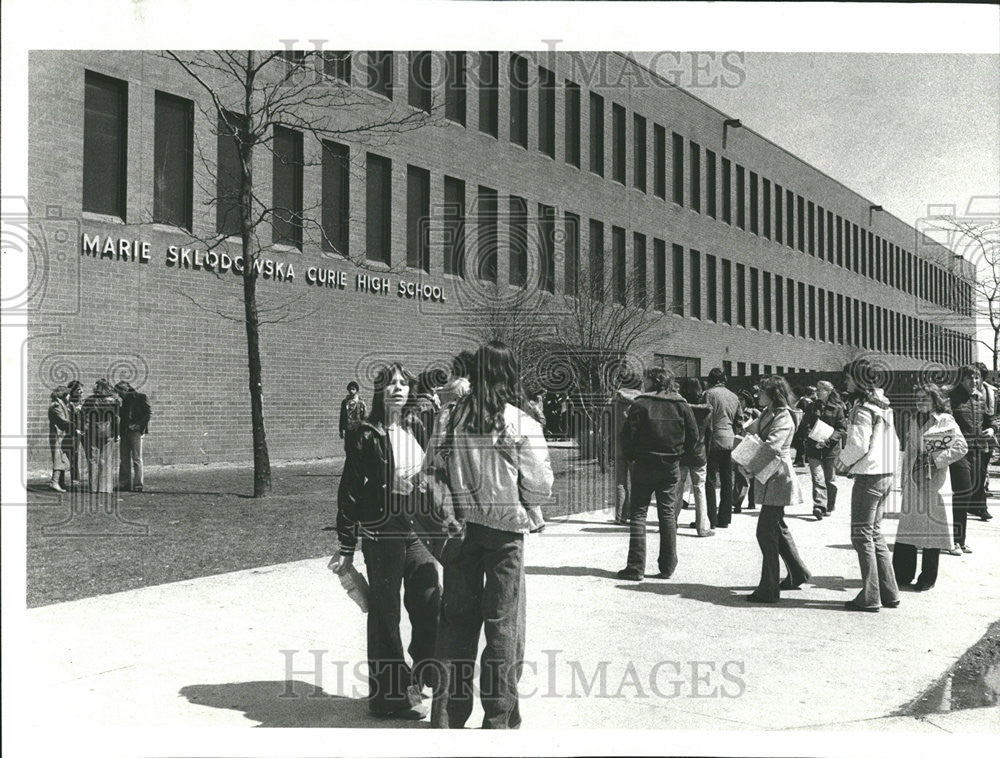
(498, 473)
(60, 437)
(933, 441)
(822, 456)
(968, 475)
(659, 432)
(723, 425)
(776, 428)
(377, 499)
(869, 457)
(694, 467)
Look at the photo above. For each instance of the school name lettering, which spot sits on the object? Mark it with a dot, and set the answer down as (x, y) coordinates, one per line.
(138, 251)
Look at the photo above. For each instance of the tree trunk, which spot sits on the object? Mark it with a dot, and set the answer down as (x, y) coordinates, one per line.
(996, 347)
(261, 460)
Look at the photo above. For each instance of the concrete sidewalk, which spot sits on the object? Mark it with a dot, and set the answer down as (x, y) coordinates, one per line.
(688, 653)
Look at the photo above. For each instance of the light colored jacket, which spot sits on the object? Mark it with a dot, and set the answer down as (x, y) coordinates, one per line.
(777, 429)
(926, 519)
(500, 479)
(725, 417)
(872, 447)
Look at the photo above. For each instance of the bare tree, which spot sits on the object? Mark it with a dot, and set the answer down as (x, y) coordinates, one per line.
(588, 345)
(250, 95)
(979, 241)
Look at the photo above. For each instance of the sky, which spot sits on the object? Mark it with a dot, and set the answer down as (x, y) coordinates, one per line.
(907, 131)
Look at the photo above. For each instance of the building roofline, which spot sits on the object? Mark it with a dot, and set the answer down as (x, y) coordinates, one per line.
(628, 57)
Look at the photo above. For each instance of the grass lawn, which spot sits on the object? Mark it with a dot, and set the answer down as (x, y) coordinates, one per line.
(198, 522)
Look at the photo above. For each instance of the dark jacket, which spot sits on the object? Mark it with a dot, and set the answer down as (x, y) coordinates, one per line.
(352, 413)
(972, 416)
(135, 410)
(703, 422)
(365, 504)
(660, 426)
(832, 412)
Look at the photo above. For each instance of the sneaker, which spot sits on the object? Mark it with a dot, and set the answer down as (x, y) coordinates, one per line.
(921, 587)
(819, 513)
(955, 550)
(629, 575)
(966, 549)
(707, 533)
(852, 606)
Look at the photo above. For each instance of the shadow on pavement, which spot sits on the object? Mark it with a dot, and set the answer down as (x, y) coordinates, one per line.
(290, 703)
(731, 597)
(569, 571)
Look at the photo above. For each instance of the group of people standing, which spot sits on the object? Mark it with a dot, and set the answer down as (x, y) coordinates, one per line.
(452, 477)
(96, 442)
(674, 434)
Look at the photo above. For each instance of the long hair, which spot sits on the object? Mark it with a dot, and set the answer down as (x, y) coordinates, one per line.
(834, 396)
(495, 381)
(866, 377)
(778, 390)
(409, 419)
(939, 401)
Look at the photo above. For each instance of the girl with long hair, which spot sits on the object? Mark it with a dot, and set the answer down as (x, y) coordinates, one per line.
(776, 427)
(869, 457)
(379, 496)
(495, 461)
(933, 442)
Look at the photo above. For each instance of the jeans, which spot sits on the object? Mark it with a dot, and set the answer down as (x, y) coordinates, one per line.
(720, 462)
(483, 589)
(878, 582)
(776, 542)
(392, 561)
(697, 475)
(904, 564)
(102, 456)
(967, 485)
(651, 476)
(824, 483)
(130, 467)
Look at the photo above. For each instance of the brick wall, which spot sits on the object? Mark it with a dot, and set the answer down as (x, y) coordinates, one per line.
(156, 325)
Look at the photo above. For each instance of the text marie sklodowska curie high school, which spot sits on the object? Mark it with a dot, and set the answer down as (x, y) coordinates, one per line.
(550, 165)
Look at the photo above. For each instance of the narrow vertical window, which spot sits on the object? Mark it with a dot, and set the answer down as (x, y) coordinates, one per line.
(518, 272)
(489, 93)
(678, 168)
(660, 274)
(754, 298)
(547, 248)
(596, 262)
(639, 265)
(694, 277)
(801, 222)
(779, 303)
(618, 143)
(597, 134)
(229, 174)
(678, 279)
(420, 80)
(727, 191)
(779, 216)
(519, 100)
(694, 149)
(173, 160)
(710, 186)
(287, 166)
(380, 72)
(639, 152)
(454, 226)
(754, 205)
(767, 207)
(546, 112)
(335, 192)
(418, 218)
(741, 197)
(572, 126)
(820, 248)
(767, 302)
(487, 234)
(455, 87)
(618, 262)
(105, 144)
(572, 255)
(741, 295)
(789, 218)
(659, 162)
(727, 291)
(811, 242)
(711, 285)
(378, 209)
